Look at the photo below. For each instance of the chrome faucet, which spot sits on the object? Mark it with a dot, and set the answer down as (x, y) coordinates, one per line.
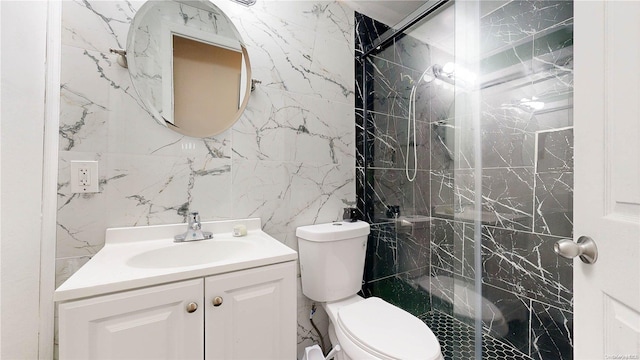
(194, 230)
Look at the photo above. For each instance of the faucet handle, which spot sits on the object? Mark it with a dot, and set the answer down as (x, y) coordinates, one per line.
(194, 221)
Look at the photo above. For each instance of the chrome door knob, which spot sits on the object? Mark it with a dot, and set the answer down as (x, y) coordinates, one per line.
(585, 248)
(192, 307)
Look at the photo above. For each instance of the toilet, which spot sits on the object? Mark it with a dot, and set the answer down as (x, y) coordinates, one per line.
(331, 264)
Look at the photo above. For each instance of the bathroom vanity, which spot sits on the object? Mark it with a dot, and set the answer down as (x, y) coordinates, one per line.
(145, 296)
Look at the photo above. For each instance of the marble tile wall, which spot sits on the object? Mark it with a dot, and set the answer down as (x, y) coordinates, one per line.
(526, 184)
(289, 159)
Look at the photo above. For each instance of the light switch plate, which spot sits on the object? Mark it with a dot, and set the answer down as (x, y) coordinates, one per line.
(84, 177)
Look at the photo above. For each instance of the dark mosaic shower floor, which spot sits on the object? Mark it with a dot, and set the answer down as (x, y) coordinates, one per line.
(457, 340)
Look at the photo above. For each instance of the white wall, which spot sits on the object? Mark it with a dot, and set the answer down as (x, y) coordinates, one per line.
(23, 40)
(288, 160)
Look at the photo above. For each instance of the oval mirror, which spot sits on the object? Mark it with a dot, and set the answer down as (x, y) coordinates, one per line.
(189, 65)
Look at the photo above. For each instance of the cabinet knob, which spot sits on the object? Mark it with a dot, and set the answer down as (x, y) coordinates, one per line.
(191, 307)
(217, 301)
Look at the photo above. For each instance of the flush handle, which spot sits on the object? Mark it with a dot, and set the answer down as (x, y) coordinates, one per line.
(585, 248)
(192, 307)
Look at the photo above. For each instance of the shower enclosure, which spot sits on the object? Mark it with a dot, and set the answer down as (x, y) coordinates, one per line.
(465, 172)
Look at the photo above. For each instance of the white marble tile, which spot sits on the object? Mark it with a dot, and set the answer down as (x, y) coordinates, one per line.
(319, 193)
(81, 219)
(97, 25)
(281, 50)
(261, 189)
(282, 126)
(149, 190)
(65, 267)
(289, 160)
(328, 63)
(84, 102)
(280, 54)
(261, 131)
(336, 20)
(307, 336)
(324, 132)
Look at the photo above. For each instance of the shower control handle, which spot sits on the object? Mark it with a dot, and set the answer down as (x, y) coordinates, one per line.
(585, 248)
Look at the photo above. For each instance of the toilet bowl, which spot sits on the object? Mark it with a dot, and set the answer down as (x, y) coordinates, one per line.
(374, 329)
(331, 265)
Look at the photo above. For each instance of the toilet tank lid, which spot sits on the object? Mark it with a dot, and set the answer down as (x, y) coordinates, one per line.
(334, 231)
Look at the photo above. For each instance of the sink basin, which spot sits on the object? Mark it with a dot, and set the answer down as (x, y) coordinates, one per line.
(190, 253)
(141, 256)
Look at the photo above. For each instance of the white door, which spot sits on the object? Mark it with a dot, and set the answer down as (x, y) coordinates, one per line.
(607, 178)
(254, 316)
(151, 323)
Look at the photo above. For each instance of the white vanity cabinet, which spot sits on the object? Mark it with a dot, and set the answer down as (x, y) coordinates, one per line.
(256, 315)
(150, 323)
(245, 314)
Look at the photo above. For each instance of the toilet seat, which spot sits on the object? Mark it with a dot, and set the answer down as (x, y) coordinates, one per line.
(387, 332)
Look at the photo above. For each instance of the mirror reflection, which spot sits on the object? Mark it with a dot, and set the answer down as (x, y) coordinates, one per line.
(189, 65)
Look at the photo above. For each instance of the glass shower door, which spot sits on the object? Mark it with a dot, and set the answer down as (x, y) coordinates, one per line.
(465, 171)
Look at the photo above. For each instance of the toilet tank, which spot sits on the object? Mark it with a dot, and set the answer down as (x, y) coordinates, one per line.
(332, 259)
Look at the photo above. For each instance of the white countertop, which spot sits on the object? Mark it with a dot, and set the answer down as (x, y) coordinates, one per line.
(110, 270)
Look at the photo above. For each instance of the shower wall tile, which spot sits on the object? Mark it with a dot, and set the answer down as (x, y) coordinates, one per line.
(392, 188)
(382, 252)
(367, 30)
(526, 196)
(525, 264)
(551, 333)
(469, 242)
(400, 292)
(554, 204)
(507, 138)
(506, 317)
(360, 138)
(362, 199)
(555, 151)
(413, 239)
(390, 143)
(556, 42)
(391, 87)
(360, 78)
(442, 191)
(507, 194)
(507, 197)
(445, 240)
(412, 53)
(517, 20)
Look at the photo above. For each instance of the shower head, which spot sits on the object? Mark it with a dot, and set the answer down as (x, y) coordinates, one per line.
(443, 73)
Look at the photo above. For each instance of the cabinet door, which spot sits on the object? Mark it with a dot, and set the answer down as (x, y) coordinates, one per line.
(151, 323)
(257, 316)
